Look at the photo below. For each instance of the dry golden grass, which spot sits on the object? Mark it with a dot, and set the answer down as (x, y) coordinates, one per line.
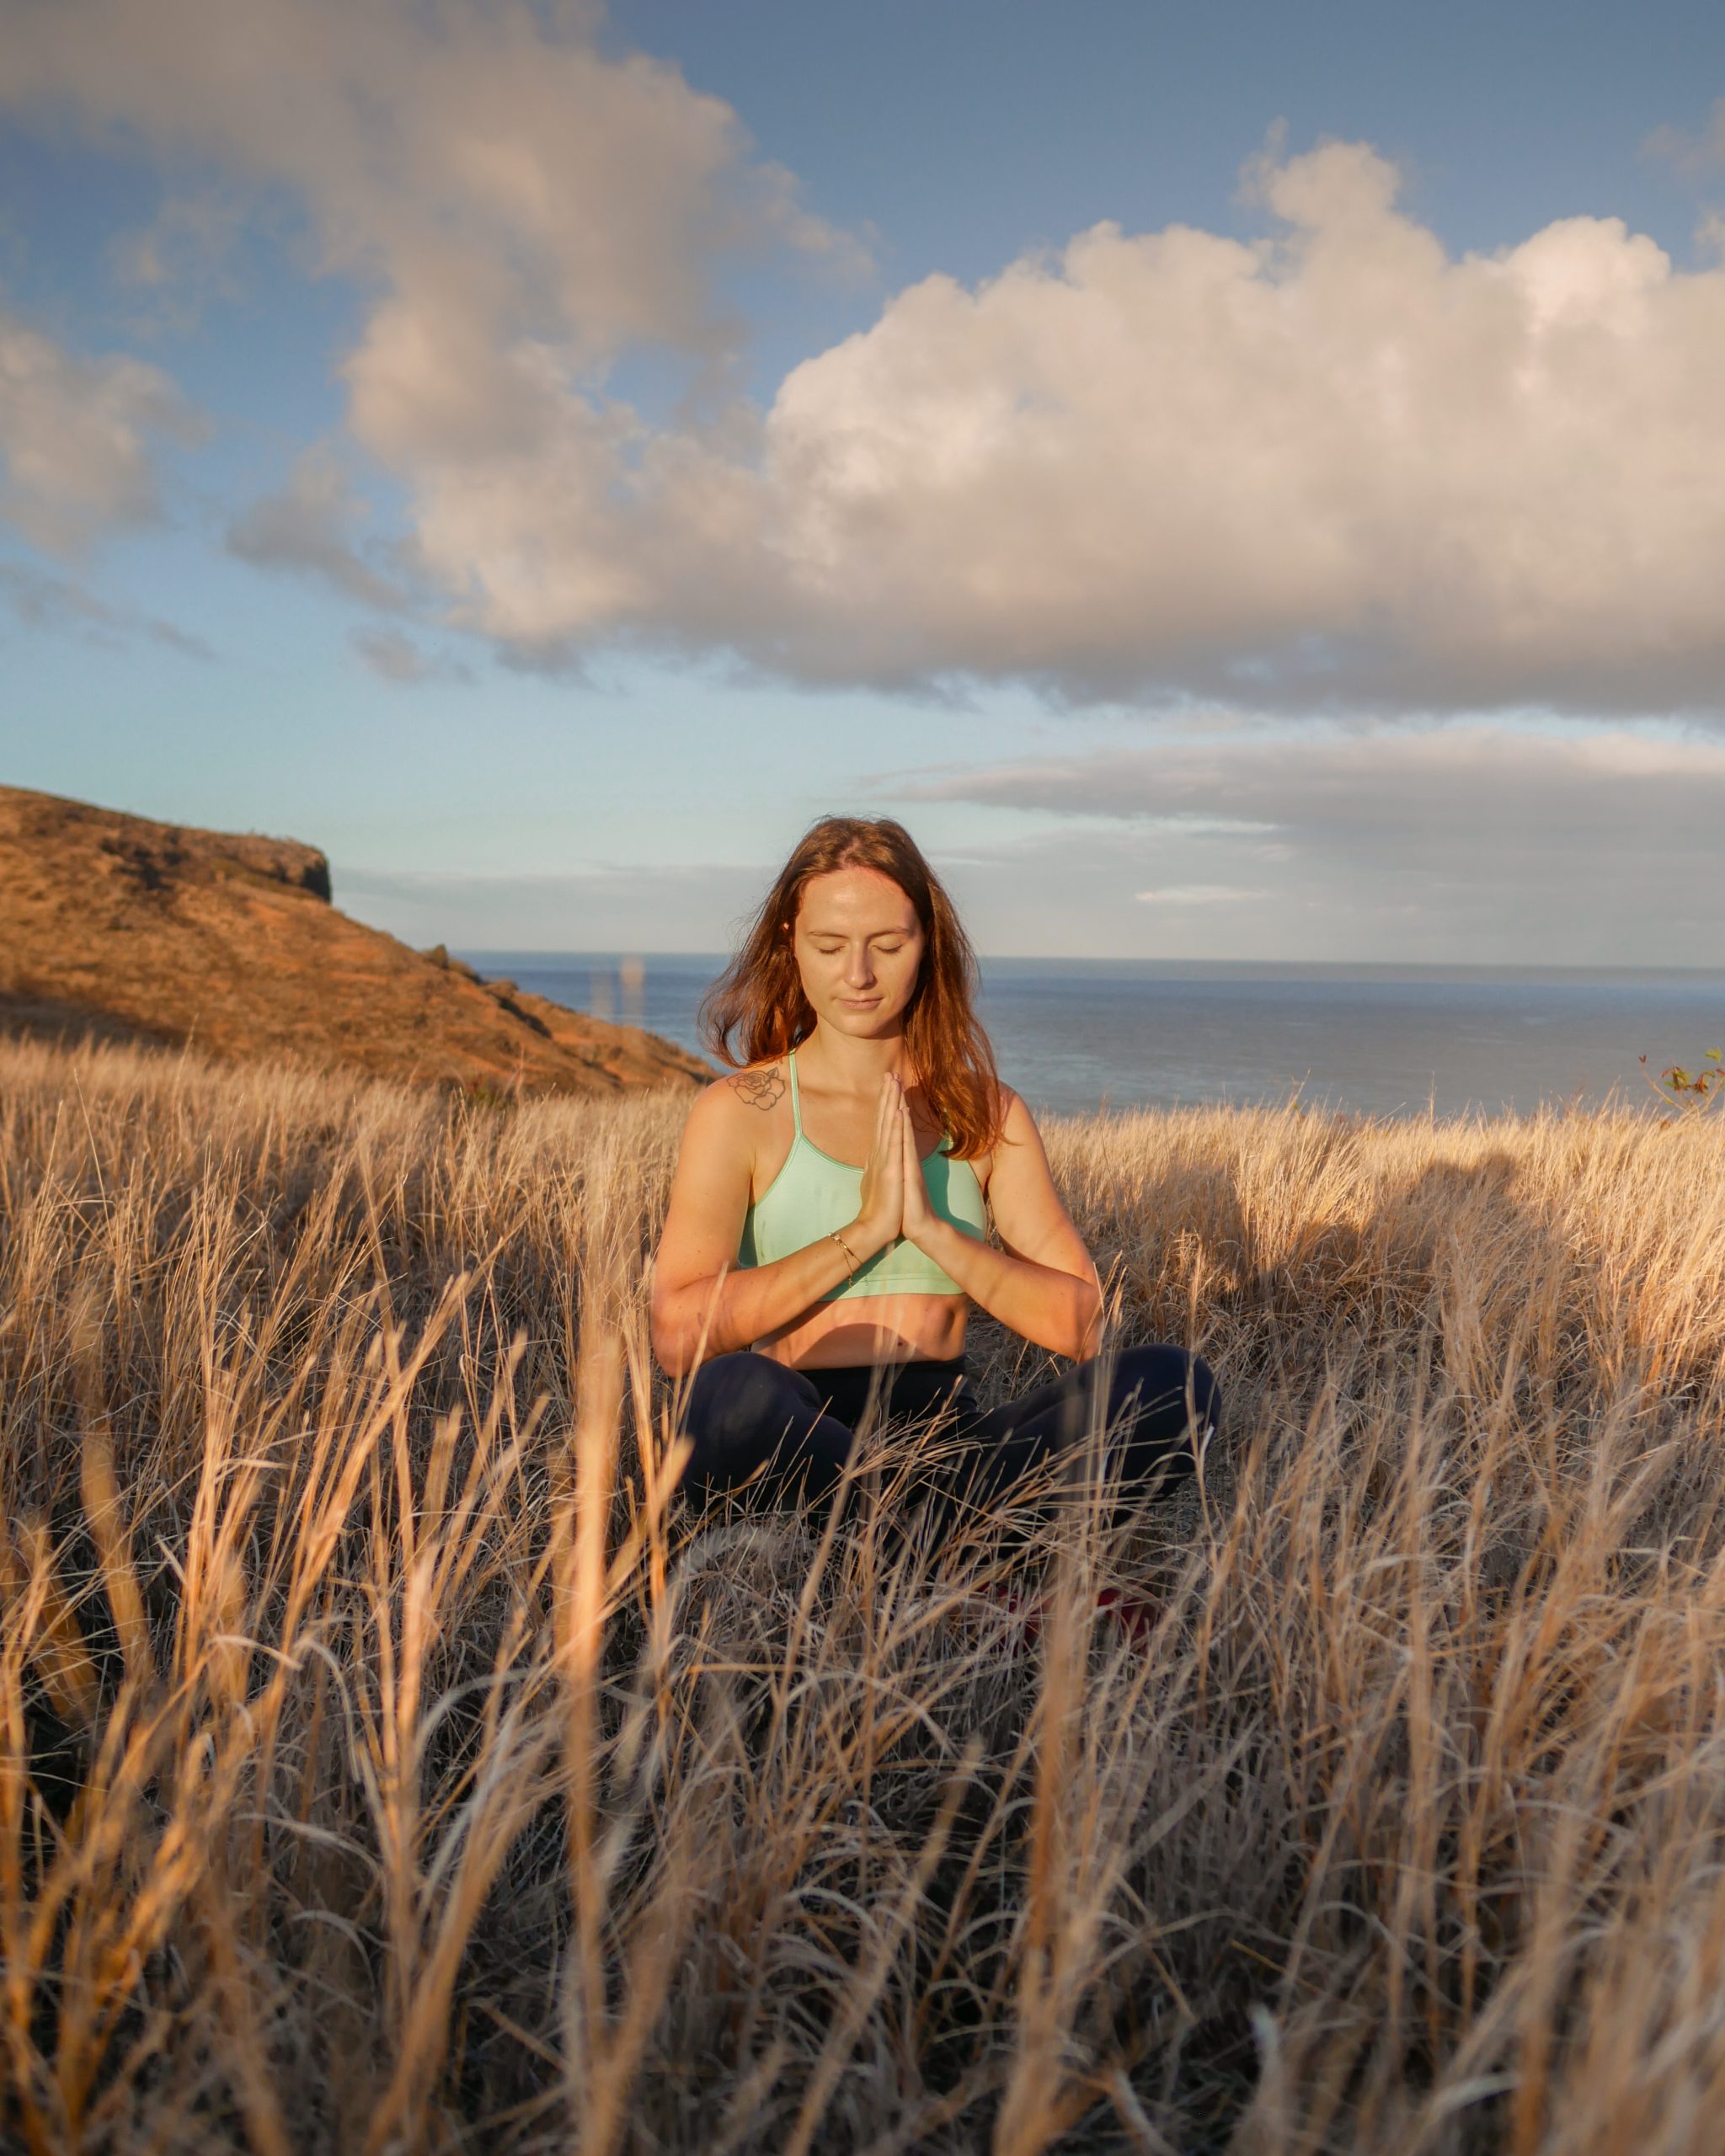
(389, 1766)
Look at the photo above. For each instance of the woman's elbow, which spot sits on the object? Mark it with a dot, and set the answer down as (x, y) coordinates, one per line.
(681, 1329)
(1073, 1329)
(1087, 1321)
(668, 1334)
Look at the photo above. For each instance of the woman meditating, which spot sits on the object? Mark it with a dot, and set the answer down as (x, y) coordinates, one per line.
(828, 1227)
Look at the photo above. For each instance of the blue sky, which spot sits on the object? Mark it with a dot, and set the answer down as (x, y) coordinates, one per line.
(1239, 483)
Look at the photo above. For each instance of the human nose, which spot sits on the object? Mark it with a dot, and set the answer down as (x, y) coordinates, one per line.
(859, 966)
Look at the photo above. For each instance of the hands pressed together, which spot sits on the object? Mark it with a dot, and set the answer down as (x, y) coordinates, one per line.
(895, 1196)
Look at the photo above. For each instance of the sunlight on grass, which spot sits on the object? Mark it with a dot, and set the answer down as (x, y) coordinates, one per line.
(391, 1763)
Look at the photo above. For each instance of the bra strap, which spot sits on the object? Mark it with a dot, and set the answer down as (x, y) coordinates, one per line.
(796, 1098)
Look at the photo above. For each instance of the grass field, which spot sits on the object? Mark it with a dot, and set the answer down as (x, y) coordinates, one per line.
(389, 1766)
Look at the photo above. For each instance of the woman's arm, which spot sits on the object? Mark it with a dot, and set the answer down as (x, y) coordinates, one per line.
(1044, 1284)
(703, 1303)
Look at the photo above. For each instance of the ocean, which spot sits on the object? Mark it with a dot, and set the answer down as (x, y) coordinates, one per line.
(1073, 1035)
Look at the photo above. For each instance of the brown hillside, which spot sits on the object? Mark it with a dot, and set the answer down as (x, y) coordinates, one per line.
(118, 928)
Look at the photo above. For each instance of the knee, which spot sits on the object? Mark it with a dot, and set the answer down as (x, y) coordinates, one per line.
(1159, 1375)
(1169, 1402)
(745, 1396)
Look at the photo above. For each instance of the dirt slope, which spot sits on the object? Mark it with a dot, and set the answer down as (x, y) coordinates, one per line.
(112, 926)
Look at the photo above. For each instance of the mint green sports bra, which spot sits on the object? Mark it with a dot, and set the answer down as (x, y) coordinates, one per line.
(813, 1193)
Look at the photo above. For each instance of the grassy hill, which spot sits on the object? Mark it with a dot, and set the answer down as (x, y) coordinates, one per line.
(113, 927)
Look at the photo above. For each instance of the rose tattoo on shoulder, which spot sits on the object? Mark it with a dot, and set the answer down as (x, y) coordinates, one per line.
(761, 1089)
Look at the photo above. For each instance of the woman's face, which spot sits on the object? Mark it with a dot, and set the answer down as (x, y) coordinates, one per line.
(859, 947)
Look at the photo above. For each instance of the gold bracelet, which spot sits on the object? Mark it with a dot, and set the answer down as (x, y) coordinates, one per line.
(856, 1262)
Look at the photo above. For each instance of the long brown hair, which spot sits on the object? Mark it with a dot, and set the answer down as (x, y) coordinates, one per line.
(759, 1000)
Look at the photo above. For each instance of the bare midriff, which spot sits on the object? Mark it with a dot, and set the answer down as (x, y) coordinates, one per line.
(875, 1329)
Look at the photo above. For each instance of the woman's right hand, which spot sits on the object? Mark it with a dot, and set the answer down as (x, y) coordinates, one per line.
(880, 1217)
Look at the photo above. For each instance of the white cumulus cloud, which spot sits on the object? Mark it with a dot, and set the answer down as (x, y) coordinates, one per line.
(1338, 467)
(521, 208)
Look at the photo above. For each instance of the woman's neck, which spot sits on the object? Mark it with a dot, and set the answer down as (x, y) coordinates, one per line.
(841, 1064)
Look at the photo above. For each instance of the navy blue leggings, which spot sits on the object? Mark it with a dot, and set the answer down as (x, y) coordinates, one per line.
(787, 1433)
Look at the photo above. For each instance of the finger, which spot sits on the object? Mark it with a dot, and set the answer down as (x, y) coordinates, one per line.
(884, 1149)
(883, 1114)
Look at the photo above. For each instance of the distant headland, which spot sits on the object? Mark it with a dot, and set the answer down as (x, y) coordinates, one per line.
(115, 928)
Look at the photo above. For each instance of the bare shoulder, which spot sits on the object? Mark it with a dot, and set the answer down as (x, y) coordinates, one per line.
(759, 1085)
(1016, 1122)
(1029, 1213)
(731, 1128)
(740, 1104)
(737, 1108)
(1021, 1137)
(1017, 1125)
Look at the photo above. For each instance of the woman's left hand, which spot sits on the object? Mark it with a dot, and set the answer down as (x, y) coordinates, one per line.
(919, 1213)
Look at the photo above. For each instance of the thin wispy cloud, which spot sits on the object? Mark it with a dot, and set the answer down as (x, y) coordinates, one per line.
(1198, 894)
(393, 657)
(1586, 845)
(1695, 153)
(38, 599)
(78, 437)
(314, 527)
(1445, 786)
